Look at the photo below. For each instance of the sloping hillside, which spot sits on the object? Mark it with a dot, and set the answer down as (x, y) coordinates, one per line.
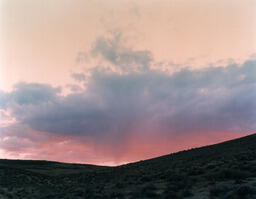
(225, 170)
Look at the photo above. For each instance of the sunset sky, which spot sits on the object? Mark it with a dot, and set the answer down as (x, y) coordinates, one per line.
(110, 82)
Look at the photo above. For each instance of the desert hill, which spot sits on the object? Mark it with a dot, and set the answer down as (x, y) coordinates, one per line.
(225, 170)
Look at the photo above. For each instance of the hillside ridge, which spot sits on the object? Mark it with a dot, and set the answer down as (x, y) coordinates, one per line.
(221, 171)
(42, 162)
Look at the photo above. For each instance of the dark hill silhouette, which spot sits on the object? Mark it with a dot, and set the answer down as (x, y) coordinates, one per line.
(224, 170)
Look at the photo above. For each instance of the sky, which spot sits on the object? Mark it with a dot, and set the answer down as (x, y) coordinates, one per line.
(112, 82)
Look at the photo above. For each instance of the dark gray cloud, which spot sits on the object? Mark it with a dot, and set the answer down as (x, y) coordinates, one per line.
(26, 95)
(214, 99)
(125, 59)
(32, 93)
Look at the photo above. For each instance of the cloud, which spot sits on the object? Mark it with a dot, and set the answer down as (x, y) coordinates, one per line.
(74, 87)
(125, 59)
(116, 105)
(29, 93)
(80, 77)
(3, 99)
(81, 58)
(131, 106)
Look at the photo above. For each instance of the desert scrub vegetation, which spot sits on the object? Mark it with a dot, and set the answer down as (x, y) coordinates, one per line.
(227, 191)
(226, 170)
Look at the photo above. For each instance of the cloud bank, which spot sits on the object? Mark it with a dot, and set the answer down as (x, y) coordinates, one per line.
(133, 109)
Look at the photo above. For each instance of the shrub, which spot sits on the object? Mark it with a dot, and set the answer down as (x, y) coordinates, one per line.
(119, 185)
(219, 189)
(231, 174)
(149, 191)
(187, 193)
(245, 190)
(116, 194)
(170, 194)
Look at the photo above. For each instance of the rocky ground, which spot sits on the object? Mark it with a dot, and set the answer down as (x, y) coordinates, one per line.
(226, 170)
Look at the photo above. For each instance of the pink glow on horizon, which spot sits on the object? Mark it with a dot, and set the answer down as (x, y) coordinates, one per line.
(72, 150)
